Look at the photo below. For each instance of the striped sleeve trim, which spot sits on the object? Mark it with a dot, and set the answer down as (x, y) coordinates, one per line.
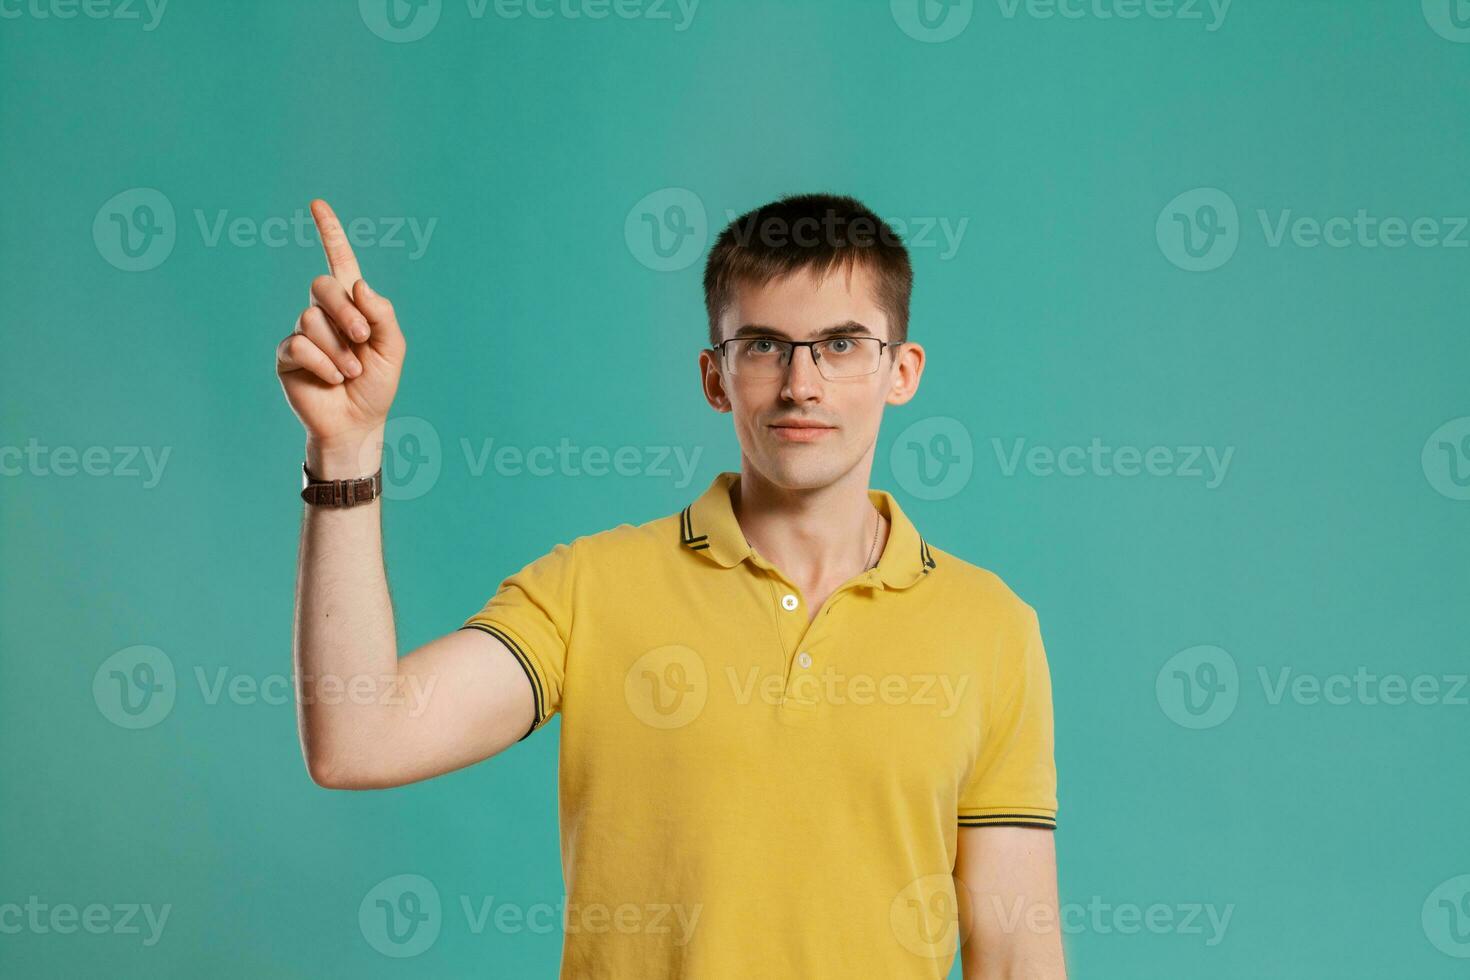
(1008, 820)
(537, 688)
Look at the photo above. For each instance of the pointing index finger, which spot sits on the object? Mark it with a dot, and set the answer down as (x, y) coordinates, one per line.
(340, 260)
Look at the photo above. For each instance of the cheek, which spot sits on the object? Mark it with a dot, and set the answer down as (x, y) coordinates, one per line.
(743, 414)
(864, 411)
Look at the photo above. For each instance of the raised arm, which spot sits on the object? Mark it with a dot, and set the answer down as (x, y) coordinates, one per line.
(366, 717)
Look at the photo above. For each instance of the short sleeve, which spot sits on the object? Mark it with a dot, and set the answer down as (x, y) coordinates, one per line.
(531, 613)
(1014, 780)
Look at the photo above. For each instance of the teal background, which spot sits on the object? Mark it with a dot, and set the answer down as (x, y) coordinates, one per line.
(1335, 541)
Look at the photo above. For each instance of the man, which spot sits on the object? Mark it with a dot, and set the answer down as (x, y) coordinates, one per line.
(798, 739)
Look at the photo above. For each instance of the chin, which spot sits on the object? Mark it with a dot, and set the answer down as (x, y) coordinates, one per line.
(798, 470)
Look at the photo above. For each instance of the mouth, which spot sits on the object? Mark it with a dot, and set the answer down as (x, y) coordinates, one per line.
(801, 431)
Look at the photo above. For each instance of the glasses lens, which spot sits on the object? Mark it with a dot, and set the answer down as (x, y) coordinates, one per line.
(757, 357)
(847, 357)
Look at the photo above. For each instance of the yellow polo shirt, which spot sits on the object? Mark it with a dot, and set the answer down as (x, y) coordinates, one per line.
(747, 794)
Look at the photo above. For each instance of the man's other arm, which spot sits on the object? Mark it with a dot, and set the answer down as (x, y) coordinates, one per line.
(1010, 925)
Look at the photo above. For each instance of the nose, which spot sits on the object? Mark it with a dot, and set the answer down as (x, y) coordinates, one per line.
(803, 380)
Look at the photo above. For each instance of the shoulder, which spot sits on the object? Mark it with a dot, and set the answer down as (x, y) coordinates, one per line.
(981, 594)
(626, 543)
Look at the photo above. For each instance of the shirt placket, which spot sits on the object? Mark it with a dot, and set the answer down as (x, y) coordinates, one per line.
(805, 642)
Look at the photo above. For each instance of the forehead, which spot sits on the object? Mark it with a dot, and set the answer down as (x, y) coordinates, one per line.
(800, 304)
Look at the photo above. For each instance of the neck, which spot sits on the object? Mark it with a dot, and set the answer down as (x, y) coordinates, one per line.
(818, 534)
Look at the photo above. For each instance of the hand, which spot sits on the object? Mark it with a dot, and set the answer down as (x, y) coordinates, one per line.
(340, 366)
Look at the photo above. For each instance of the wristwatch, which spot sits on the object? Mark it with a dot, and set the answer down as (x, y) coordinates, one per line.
(340, 493)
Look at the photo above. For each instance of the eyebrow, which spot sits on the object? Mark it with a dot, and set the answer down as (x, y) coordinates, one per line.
(756, 329)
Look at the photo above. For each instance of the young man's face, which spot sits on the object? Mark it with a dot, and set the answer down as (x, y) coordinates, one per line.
(847, 411)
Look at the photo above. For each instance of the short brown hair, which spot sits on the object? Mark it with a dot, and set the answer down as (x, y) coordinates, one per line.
(770, 241)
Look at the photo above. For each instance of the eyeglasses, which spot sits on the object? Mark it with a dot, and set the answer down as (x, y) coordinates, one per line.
(837, 358)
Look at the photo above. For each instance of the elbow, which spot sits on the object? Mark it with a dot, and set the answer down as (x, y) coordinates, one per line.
(326, 774)
(330, 772)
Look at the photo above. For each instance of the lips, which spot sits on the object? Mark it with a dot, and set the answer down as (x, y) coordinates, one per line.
(801, 430)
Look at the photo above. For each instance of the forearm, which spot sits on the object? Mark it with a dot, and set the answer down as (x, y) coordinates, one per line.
(1020, 939)
(345, 643)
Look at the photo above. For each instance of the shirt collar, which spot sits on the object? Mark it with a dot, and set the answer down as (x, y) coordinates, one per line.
(708, 527)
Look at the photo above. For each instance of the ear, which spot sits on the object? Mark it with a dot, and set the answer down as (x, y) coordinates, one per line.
(907, 368)
(713, 381)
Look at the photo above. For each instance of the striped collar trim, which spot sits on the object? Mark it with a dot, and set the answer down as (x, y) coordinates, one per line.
(708, 526)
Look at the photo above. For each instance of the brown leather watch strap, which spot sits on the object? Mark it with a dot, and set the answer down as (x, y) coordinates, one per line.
(340, 493)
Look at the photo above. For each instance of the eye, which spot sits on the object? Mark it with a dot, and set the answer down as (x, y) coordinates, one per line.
(841, 345)
(755, 346)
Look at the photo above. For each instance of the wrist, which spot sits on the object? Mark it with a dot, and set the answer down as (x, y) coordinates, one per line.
(345, 457)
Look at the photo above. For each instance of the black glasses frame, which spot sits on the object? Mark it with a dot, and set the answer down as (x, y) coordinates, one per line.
(811, 346)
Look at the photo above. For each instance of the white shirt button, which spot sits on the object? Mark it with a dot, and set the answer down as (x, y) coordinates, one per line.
(788, 602)
(805, 659)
